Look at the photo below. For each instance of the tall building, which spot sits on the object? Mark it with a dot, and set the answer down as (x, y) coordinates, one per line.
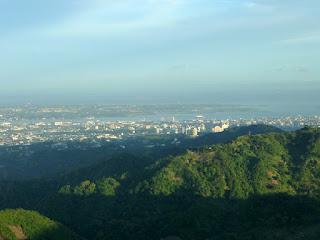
(202, 127)
(157, 130)
(225, 125)
(194, 132)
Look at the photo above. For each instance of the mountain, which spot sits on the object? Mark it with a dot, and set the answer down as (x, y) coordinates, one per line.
(252, 164)
(260, 164)
(131, 163)
(257, 186)
(43, 160)
(22, 225)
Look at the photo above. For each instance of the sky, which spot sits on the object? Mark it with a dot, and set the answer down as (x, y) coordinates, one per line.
(160, 50)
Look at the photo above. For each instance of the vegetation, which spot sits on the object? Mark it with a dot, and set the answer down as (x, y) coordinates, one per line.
(21, 224)
(41, 160)
(258, 186)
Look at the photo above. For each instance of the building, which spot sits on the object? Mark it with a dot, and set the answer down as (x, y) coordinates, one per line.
(217, 129)
(194, 132)
(220, 128)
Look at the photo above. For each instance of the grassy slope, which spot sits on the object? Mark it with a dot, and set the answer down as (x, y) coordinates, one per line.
(34, 226)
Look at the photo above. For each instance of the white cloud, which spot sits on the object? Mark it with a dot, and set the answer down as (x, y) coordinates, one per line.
(259, 7)
(101, 17)
(311, 38)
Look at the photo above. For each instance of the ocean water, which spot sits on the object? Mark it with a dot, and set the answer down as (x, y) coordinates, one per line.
(245, 112)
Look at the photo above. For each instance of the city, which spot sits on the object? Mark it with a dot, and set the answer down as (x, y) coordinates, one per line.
(160, 120)
(28, 125)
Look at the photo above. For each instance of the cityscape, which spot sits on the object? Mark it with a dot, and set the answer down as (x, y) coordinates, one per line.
(28, 125)
(160, 120)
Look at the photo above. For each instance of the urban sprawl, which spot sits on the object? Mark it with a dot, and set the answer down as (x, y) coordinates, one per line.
(21, 129)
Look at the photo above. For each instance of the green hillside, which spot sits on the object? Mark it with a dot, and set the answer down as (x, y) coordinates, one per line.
(260, 164)
(262, 186)
(21, 225)
(265, 184)
(250, 165)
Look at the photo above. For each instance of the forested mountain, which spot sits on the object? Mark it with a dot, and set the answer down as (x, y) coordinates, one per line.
(43, 160)
(257, 186)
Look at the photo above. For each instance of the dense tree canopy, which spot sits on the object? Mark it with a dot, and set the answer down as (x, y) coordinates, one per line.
(264, 186)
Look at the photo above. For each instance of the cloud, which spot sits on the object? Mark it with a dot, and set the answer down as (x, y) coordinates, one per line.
(259, 7)
(301, 69)
(311, 38)
(103, 17)
(179, 67)
(290, 69)
(168, 18)
(107, 18)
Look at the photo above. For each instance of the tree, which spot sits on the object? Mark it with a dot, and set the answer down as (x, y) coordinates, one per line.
(85, 188)
(108, 186)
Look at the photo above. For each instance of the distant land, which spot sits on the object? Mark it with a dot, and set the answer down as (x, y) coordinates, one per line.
(186, 111)
(257, 101)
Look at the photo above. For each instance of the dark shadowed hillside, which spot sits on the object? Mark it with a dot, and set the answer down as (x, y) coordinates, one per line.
(257, 186)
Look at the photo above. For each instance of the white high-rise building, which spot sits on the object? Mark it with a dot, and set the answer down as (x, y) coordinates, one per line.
(194, 132)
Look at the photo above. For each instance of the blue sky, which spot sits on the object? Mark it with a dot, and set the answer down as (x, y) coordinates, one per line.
(162, 48)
